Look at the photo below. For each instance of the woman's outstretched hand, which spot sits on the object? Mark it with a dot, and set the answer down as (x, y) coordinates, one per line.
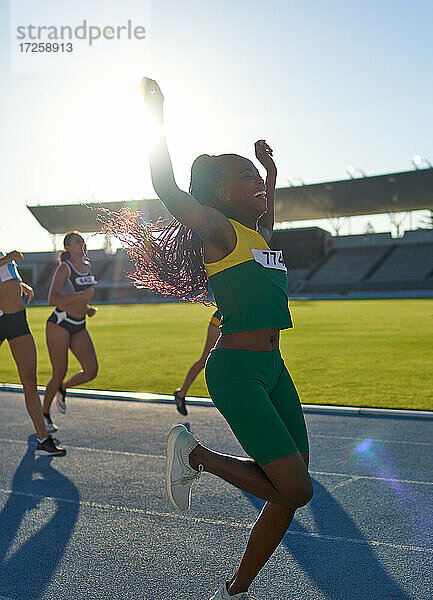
(153, 97)
(264, 155)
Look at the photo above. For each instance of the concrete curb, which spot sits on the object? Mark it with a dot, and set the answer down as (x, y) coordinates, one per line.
(163, 399)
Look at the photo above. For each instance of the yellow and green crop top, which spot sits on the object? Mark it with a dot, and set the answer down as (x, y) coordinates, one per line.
(250, 284)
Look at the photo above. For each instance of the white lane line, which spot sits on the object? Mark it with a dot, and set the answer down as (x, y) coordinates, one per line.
(101, 450)
(372, 478)
(162, 456)
(373, 439)
(235, 524)
(120, 452)
(342, 484)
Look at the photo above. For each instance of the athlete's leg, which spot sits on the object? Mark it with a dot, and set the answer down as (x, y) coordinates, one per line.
(24, 352)
(190, 376)
(291, 488)
(280, 478)
(213, 334)
(82, 346)
(58, 339)
(255, 422)
(267, 533)
(285, 398)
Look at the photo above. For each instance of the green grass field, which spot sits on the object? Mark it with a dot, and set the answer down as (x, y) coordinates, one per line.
(375, 353)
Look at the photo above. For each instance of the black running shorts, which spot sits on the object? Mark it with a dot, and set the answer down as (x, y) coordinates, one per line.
(62, 319)
(13, 325)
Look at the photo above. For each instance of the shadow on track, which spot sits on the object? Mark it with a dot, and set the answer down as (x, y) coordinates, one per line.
(342, 570)
(27, 564)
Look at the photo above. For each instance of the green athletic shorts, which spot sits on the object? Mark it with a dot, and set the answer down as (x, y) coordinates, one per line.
(256, 395)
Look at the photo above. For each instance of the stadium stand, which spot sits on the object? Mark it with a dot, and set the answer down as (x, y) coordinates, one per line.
(372, 263)
(318, 264)
(346, 265)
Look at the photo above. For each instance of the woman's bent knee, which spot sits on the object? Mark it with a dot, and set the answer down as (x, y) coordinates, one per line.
(305, 495)
(91, 372)
(57, 378)
(299, 494)
(291, 480)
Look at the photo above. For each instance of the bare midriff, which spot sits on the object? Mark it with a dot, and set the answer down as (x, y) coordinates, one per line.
(77, 310)
(10, 296)
(259, 340)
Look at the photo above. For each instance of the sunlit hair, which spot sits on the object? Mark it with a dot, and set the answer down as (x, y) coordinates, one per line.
(65, 254)
(168, 259)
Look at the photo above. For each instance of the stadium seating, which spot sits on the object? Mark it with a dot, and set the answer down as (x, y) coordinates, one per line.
(407, 262)
(318, 264)
(346, 265)
(373, 263)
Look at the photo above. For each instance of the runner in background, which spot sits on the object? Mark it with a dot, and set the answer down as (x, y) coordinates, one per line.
(213, 334)
(71, 289)
(15, 329)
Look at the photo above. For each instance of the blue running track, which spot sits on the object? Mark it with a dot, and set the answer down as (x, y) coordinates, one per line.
(96, 525)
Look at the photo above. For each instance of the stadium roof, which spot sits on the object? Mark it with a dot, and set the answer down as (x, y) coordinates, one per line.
(393, 192)
(61, 218)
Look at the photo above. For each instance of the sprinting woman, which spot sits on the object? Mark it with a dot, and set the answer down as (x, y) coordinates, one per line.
(71, 289)
(219, 236)
(15, 329)
(213, 334)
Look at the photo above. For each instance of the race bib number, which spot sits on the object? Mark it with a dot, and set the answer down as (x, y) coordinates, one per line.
(86, 280)
(271, 259)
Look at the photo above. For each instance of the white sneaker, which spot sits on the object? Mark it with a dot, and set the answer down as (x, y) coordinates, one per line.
(180, 475)
(49, 425)
(222, 594)
(61, 400)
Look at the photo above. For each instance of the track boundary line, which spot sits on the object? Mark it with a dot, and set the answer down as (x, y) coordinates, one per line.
(168, 399)
(235, 524)
(162, 456)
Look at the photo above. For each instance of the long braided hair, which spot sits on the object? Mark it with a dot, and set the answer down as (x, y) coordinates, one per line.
(168, 259)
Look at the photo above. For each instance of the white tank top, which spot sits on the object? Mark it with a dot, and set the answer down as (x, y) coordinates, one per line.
(8, 270)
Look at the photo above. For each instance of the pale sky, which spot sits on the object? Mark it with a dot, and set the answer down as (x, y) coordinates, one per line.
(326, 83)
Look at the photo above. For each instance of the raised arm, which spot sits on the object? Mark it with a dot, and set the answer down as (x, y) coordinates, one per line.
(264, 155)
(205, 221)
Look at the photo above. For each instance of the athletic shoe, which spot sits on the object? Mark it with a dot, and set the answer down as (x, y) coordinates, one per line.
(49, 448)
(49, 425)
(180, 403)
(222, 594)
(180, 475)
(61, 400)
